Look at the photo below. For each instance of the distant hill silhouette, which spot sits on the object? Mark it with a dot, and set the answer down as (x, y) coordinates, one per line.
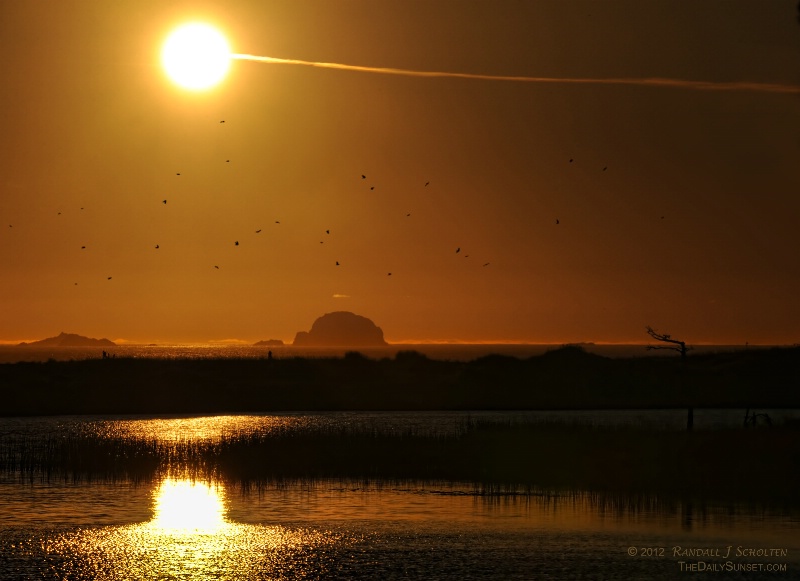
(341, 329)
(70, 340)
(269, 343)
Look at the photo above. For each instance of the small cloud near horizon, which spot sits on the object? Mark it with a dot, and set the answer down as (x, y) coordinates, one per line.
(341, 296)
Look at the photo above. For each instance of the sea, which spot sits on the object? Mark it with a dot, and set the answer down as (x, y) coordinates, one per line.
(189, 528)
(440, 351)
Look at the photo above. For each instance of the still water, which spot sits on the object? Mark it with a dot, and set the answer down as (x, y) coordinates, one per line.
(175, 528)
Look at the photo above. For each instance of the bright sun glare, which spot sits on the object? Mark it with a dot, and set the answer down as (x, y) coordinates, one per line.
(196, 56)
(185, 506)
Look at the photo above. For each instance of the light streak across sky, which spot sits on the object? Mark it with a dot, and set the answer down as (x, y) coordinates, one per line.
(739, 86)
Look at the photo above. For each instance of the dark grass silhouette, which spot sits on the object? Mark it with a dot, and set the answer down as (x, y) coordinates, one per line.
(566, 378)
(743, 465)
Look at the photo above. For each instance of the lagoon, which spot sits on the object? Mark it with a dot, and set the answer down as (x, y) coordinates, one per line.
(110, 527)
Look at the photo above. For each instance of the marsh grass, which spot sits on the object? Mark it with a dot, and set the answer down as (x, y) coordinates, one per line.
(760, 465)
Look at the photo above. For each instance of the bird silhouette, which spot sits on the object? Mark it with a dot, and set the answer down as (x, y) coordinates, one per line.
(236, 243)
(605, 168)
(570, 160)
(390, 274)
(557, 222)
(458, 250)
(372, 188)
(223, 121)
(227, 161)
(426, 183)
(177, 174)
(109, 278)
(163, 201)
(258, 231)
(337, 263)
(157, 247)
(363, 177)
(217, 267)
(277, 221)
(83, 248)
(327, 231)
(486, 264)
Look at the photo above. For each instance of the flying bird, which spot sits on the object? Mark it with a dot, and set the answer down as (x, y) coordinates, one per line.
(390, 274)
(109, 278)
(217, 267)
(327, 231)
(486, 264)
(177, 174)
(157, 246)
(223, 121)
(163, 201)
(236, 243)
(557, 222)
(363, 177)
(372, 188)
(258, 231)
(83, 248)
(458, 250)
(426, 183)
(277, 221)
(337, 263)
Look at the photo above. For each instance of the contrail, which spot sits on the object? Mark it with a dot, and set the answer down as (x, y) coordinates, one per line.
(645, 82)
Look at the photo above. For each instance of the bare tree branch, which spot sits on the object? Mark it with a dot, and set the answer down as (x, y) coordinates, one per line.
(679, 346)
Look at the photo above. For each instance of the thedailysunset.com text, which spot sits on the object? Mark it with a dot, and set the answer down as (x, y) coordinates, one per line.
(730, 566)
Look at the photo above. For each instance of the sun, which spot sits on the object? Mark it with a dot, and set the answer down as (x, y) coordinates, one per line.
(196, 56)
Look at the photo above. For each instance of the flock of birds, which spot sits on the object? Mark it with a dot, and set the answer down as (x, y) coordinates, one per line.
(337, 263)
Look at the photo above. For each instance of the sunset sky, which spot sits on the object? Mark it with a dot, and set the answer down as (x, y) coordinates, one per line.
(583, 212)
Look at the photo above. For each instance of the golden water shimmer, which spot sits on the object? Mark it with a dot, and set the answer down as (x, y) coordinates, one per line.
(188, 537)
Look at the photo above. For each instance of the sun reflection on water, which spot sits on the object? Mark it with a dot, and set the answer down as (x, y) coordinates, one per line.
(183, 506)
(189, 537)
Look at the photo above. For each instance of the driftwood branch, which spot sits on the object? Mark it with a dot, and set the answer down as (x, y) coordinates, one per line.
(675, 344)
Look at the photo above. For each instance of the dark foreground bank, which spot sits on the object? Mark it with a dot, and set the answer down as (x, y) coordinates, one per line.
(567, 378)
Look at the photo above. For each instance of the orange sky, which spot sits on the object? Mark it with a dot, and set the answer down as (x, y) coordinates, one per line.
(691, 228)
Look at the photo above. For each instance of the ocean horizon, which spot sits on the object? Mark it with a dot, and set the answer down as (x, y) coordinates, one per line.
(439, 351)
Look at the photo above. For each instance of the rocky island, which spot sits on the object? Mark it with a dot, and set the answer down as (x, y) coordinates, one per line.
(269, 343)
(69, 340)
(341, 329)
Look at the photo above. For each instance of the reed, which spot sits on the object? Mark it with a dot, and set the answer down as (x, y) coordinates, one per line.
(760, 465)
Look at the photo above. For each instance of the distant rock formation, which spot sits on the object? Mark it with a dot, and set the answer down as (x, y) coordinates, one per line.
(70, 340)
(269, 343)
(341, 329)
